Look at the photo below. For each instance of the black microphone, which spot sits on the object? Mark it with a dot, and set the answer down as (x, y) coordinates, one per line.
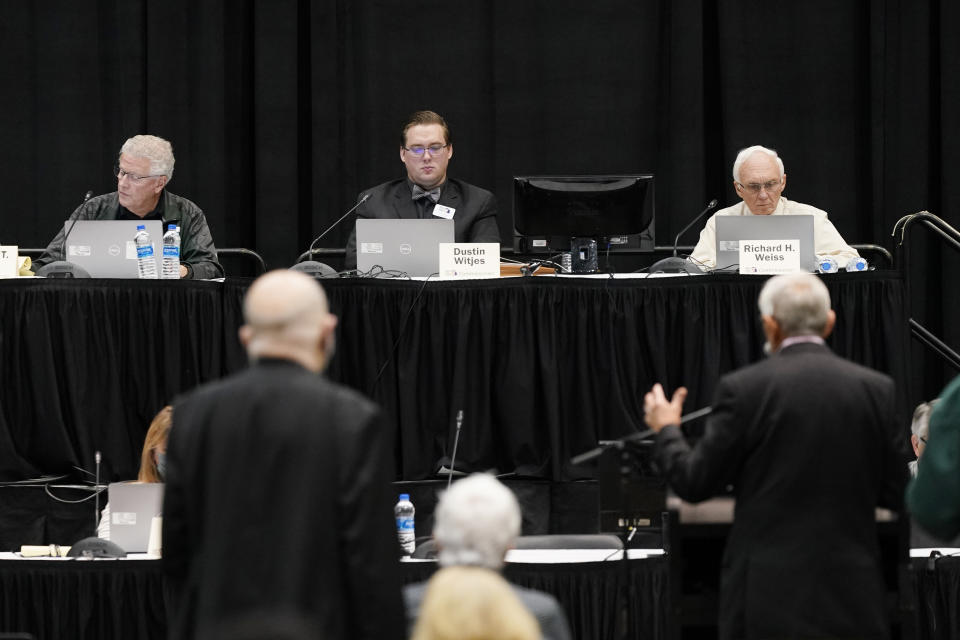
(96, 492)
(456, 440)
(314, 268)
(63, 268)
(676, 264)
(620, 443)
(86, 196)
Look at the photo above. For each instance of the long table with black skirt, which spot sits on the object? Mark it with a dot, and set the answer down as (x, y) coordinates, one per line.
(542, 367)
(107, 599)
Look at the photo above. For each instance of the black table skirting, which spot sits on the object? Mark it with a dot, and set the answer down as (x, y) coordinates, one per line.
(94, 600)
(105, 600)
(542, 367)
(936, 594)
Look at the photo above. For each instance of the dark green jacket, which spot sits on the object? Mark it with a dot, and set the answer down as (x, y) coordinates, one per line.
(934, 496)
(197, 252)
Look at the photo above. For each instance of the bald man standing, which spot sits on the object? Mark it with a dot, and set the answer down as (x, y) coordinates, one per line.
(278, 498)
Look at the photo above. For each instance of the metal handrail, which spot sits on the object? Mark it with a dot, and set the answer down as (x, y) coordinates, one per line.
(935, 223)
(936, 344)
(951, 237)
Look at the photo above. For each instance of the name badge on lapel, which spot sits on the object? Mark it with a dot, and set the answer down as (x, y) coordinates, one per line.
(446, 213)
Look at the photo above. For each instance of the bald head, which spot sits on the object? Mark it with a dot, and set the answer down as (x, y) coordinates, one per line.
(287, 316)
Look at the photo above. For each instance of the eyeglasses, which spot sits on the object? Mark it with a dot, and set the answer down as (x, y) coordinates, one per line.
(922, 439)
(120, 173)
(770, 185)
(434, 149)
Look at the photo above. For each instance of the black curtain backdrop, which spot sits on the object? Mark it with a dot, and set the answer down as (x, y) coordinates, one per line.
(281, 111)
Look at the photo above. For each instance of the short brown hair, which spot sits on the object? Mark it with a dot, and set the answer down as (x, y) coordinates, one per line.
(425, 117)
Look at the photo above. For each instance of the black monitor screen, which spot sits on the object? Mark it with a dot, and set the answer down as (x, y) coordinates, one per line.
(582, 206)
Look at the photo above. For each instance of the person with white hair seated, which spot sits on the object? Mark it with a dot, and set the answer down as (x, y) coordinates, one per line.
(920, 431)
(475, 523)
(760, 181)
(143, 169)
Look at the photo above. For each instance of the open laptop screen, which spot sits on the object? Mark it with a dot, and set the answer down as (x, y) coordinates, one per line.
(731, 230)
(408, 246)
(133, 506)
(106, 248)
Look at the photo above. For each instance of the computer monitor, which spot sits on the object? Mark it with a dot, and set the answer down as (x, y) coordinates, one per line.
(615, 210)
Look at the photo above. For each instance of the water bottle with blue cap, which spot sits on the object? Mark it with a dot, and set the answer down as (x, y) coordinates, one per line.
(857, 264)
(827, 264)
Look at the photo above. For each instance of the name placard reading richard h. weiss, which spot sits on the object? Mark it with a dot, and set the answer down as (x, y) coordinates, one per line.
(469, 260)
(769, 257)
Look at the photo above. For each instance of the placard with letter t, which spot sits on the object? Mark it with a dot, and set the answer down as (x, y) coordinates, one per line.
(769, 256)
(8, 261)
(469, 260)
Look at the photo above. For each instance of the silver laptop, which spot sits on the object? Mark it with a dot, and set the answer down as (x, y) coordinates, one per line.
(407, 246)
(132, 508)
(106, 248)
(732, 229)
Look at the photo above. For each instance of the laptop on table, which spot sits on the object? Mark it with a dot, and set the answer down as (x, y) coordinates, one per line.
(106, 248)
(132, 509)
(731, 230)
(408, 246)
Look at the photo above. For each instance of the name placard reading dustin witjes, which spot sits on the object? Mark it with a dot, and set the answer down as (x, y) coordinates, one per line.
(469, 260)
(769, 256)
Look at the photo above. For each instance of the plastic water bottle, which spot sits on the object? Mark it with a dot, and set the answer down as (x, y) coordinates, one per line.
(403, 512)
(857, 264)
(827, 264)
(146, 260)
(170, 267)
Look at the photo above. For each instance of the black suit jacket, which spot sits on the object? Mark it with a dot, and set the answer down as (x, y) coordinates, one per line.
(810, 443)
(278, 500)
(475, 218)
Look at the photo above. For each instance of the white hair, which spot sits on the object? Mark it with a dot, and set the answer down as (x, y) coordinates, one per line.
(749, 151)
(157, 150)
(920, 425)
(476, 521)
(799, 302)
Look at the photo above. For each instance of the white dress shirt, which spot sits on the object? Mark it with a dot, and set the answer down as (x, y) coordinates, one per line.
(825, 235)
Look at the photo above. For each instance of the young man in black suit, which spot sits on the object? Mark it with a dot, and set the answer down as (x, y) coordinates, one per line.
(811, 445)
(425, 149)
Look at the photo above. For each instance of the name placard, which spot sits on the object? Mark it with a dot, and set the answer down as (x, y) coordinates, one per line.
(8, 261)
(769, 256)
(469, 260)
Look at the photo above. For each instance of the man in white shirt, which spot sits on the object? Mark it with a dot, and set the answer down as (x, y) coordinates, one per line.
(759, 180)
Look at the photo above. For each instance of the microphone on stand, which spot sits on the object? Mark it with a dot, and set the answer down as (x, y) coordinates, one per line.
(456, 440)
(319, 269)
(633, 437)
(675, 264)
(63, 268)
(96, 492)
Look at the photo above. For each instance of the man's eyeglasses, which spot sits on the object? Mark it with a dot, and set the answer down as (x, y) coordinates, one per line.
(418, 151)
(754, 187)
(120, 173)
